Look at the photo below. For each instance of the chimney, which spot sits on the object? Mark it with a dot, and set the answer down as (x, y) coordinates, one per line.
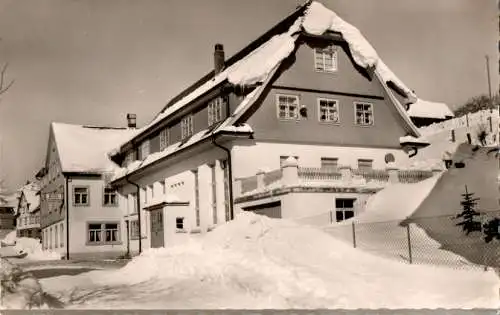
(218, 58)
(131, 120)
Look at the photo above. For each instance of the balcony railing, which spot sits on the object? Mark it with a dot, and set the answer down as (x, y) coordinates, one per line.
(293, 176)
(319, 174)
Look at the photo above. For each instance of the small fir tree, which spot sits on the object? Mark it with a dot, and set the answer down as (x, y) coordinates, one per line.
(469, 213)
(491, 230)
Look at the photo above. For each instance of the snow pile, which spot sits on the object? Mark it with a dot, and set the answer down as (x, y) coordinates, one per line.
(19, 290)
(426, 109)
(10, 239)
(396, 201)
(256, 262)
(242, 128)
(33, 248)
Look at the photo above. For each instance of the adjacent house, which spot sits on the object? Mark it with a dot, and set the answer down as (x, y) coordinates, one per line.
(80, 214)
(305, 121)
(28, 211)
(424, 113)
(7, 214)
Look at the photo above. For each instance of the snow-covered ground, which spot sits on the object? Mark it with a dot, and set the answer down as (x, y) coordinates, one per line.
(256, 262)
(32, 247)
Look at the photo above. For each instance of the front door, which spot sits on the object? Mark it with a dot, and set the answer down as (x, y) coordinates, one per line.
(157, 228)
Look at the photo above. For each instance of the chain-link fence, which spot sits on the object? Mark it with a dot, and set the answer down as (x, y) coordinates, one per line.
(426, 240)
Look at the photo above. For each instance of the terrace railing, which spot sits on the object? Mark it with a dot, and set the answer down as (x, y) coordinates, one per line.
(319, 174)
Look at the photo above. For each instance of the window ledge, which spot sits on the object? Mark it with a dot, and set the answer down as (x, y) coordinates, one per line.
(102, 243)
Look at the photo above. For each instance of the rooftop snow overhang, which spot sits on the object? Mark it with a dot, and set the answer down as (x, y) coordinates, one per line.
(166, 204)
(409, 141)
(224, 135)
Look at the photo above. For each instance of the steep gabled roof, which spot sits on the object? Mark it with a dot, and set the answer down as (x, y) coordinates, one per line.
(258, 63)
(84, 149)
(30, 192)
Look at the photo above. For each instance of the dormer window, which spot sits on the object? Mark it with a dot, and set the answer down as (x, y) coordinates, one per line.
(164, 139)
(215, 110)
(187, 126)
(144, 149)
(325, 59)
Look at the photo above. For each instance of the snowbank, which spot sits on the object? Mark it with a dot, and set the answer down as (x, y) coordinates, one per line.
(31, 246)
(10, 239)
(256, 262)
(19, 289)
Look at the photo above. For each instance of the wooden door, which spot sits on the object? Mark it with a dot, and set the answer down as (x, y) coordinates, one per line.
(157, 229)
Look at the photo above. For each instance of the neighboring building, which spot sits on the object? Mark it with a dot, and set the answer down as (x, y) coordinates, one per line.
(7, 214)
(424, 113)
(297, 106)
(74, 192)
(28, 211)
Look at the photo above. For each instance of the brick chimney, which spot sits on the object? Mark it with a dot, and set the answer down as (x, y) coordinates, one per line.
(131, 120)
(219, 58)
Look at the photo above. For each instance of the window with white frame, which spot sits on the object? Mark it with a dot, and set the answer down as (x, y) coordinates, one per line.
(329, 163)
(215, 110)
(80, 196)
(287, 106)
(179, 223)
(187, 127)
(110, 197)
(364, 114)
(325, 59)
(344, 209)
(164, 139)
(365, 164)
(102, 233)
(134, 229)
(328, 110)
(144, 149)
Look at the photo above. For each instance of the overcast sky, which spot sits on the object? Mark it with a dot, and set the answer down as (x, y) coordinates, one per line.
(93, 61)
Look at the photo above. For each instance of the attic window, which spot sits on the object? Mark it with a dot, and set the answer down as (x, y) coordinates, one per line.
(215, 110)
(187, 126)
(325, 59)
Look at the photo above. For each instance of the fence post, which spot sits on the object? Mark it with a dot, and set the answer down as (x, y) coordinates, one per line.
(469, 139)
(409, 243)
(453, 135)
(353, 235)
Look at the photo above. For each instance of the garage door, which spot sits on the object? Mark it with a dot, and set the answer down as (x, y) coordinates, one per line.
(272, 209)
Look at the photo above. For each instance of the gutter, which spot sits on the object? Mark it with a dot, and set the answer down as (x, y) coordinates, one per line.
(67, 217)
(138, 204)
(230, 175)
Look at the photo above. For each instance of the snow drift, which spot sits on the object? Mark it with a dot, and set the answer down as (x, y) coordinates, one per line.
(31, 246)
(256, 262)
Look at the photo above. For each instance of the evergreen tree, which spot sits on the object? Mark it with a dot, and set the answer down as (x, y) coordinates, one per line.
(468, 214)
(491, 230)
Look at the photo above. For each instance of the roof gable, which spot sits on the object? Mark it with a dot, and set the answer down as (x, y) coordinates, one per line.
(84, 149)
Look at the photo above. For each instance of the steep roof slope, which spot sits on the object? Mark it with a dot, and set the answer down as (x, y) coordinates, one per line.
(83, 149)
(30, 192)
(255, 62)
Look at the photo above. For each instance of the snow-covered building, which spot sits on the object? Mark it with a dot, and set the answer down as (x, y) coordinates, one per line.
(424, 113)
(7, 213)
(304, 121)
(28, 211)
(80, 214)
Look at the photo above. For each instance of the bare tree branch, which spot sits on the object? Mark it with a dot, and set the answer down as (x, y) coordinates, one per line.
(4, 85)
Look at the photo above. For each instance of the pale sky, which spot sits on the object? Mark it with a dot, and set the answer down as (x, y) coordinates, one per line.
(93, 61)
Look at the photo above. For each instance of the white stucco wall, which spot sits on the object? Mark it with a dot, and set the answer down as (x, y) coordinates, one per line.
(96, 212)
(247, 160)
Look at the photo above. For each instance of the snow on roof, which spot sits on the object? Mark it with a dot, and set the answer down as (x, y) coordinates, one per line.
(259, 64)
(85, 148)
(320, 19)
(411, 139)
(427, 109)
